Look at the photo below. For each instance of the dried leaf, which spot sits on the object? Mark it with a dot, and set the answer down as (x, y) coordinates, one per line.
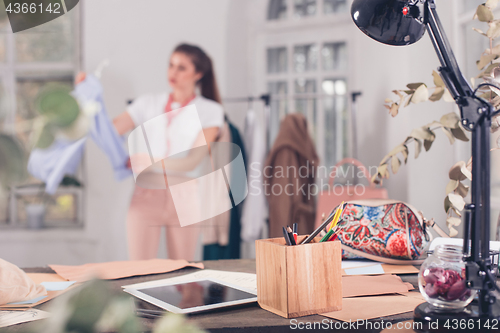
(427, 144)
(397, 149)
(447, 204)
(383, 171)
(414, 86)
(484, 14)
(491, 4)
(405, 153)
(453, 221)
(448, 134)
(494, 30)
(395, 164)
(388, 100)
(462, 190)
(418, 147)
(485, 60)
(466, 171)
(409, 99)
(489, 69)
(450, 120)
(437, 94)
(459, 134)
(447, 97)
(438, 81)
(456, 201)
(420, 95)
(394, 109)
(455, 172)
(452, 185)
(495, 123)
(423, 133)
(480, 31)
(453, 232)
(457, 212)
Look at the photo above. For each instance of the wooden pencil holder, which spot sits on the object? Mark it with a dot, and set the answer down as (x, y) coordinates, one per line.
(300, 280)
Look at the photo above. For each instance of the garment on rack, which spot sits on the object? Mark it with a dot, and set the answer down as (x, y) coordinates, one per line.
(254, 214)
(289, 177)
(232, 249)
(63, 157)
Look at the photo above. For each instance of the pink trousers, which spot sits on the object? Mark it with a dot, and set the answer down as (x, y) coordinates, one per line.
(149, 211)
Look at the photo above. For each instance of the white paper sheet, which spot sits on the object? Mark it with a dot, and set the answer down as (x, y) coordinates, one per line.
(9, 318)
(358, 263)
(243, 280)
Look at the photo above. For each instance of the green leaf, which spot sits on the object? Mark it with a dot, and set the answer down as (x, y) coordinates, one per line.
(47, 136)
(437, 94)
(58, 106)
(485, 60)
(459, 134)
(395, 164)
(484, 14)
(12, 161)
(438, 81)
(450, 120)
(452, 185)
(420, 95)
(418, 147)
(449, 135)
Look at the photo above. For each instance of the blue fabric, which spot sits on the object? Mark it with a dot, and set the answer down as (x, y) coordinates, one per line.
(52, 164)
(63, 158)
(103, 132)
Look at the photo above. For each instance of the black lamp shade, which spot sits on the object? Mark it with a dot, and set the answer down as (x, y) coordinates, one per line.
(392, 22)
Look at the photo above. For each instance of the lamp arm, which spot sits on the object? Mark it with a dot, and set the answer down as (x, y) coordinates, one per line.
(450, 72)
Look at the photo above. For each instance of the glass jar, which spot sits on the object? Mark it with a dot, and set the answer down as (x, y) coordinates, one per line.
(441, 279)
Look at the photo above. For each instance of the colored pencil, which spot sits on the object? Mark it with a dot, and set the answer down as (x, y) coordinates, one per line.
(336, 216)
(287, 239)
(291, 236)
(318, 230)
(327, 236)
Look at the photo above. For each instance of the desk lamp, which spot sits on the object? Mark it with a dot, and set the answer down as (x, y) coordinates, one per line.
(404, 22)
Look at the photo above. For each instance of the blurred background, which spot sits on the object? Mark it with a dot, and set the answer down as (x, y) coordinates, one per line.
(307, 54)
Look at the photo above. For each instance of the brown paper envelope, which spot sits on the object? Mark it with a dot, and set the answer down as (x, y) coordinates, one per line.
(121, 269)
(364, 308)
(39, 278)
(367, 285)
(392, 269)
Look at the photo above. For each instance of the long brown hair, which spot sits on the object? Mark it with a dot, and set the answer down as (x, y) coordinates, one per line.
(202, 64)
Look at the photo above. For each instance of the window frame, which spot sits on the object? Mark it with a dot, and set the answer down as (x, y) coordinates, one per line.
(10, 73)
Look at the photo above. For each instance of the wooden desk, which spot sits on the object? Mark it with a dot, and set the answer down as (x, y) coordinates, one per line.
(248, 318)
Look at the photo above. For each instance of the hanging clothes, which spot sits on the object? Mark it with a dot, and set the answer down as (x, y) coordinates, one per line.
(63, 156)
(254, 213)
(231, 250)
(289, 177)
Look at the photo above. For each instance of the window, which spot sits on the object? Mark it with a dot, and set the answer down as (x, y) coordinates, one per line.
(29, 60)
(334, 6)
(304, 8)
(305, 58)
(276, 10)
(277, 60)
(334, 56)
(336, 116)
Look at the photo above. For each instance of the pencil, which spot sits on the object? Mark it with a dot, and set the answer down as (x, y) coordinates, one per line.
(335, 217)
(327, 236)
(318, 230)
(295, 234)
(287, 239)
(291, 236)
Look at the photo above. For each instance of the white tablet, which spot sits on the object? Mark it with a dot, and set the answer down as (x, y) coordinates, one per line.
(194, 295)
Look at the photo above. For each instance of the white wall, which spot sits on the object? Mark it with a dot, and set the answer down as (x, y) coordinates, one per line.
(137, 37)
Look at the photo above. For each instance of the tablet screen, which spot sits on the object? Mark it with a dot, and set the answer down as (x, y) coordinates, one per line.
(193, 294)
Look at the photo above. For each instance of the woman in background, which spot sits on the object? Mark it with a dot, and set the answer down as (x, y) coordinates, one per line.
(189, 70)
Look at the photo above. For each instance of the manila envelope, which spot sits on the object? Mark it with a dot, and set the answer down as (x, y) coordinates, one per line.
(369, 285)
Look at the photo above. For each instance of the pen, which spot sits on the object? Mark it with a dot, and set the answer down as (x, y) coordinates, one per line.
(295, 233)
(291, 236)
(287, 239)
(318, 230)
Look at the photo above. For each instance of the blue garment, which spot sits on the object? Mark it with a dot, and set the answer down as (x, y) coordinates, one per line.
(62, 157)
